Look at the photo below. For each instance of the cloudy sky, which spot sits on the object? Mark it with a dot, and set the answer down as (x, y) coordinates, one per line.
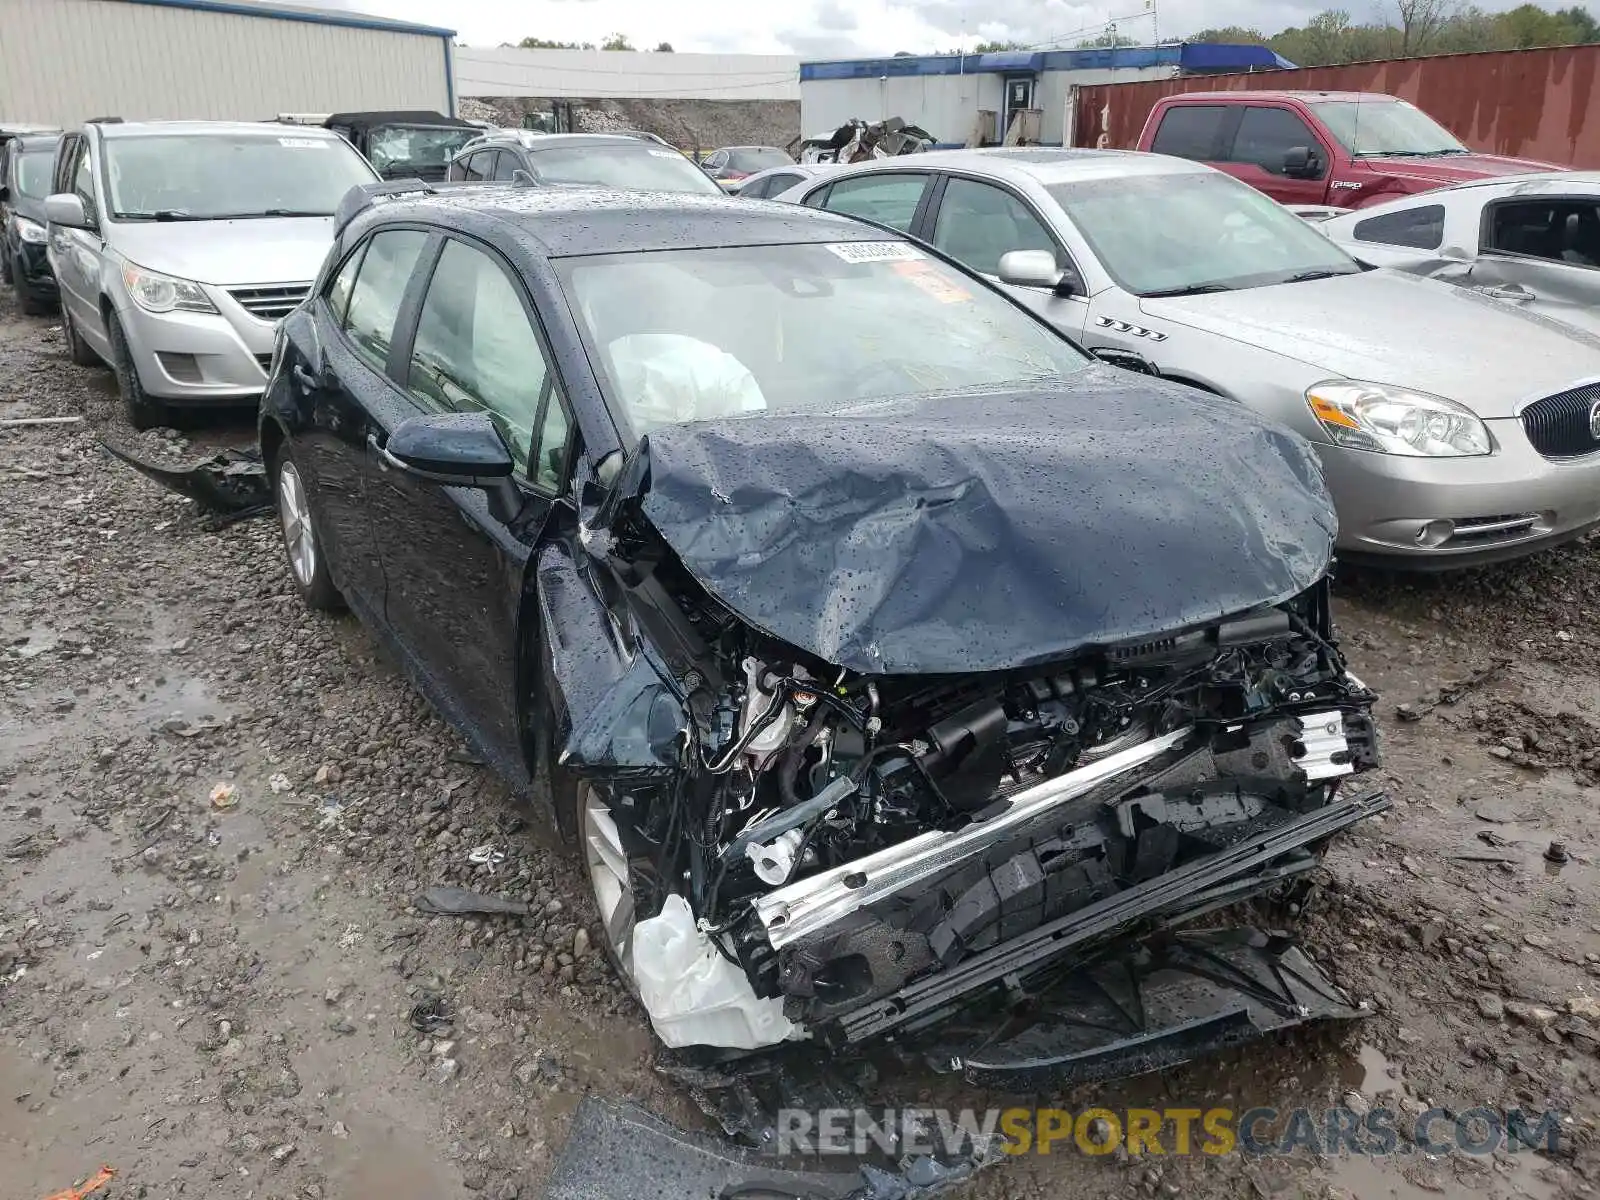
(845, 28)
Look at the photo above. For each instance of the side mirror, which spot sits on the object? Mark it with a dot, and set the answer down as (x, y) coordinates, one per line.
(522, 178)
(1301, 162)
(453, 449)
(1038, 269)
(66, 209)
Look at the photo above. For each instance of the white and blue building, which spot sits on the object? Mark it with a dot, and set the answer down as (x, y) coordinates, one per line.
(944, 93)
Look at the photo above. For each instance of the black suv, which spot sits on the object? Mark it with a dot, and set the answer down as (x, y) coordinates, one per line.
(25, 167)
(588, 159)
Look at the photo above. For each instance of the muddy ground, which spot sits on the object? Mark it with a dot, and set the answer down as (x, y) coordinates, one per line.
(212, 996)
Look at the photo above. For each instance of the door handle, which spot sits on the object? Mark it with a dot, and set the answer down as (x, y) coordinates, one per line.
(1508, 291)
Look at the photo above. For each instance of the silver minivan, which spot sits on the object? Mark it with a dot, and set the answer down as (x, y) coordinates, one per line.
(179, 245)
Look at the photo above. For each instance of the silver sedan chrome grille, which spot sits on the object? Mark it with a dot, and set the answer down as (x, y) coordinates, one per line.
(1566, 425)
(271, 302)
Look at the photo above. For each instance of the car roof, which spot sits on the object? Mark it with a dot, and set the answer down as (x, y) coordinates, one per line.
(562, 222)
(530, 139)
(133, 129)
(1247, 95)
(1041, 164)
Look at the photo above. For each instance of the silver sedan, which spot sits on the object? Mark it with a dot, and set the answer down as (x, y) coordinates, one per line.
(1529, 240)
(1453, 429)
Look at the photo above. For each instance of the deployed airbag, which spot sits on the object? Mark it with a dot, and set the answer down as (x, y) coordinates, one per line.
(985, 531)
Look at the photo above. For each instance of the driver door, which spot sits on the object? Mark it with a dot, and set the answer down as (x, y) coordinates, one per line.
(976, 222)
(454, 559)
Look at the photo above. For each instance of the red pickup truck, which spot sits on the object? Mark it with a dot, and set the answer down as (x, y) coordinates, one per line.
(1349, 149)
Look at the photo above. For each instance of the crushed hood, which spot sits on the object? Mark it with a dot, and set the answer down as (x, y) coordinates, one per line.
(964, 532)
(1389, 327)
(1452, 168)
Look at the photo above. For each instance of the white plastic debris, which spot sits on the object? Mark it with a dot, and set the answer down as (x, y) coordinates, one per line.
(694, 995)
(774, 861)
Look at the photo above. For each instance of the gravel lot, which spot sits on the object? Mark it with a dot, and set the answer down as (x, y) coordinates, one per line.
(214, 998)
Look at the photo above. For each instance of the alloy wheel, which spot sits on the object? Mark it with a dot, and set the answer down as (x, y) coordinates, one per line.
(607, 861)
(295, 513)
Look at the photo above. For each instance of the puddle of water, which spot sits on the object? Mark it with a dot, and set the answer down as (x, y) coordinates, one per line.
(1378, 1074)
(1396, 1178)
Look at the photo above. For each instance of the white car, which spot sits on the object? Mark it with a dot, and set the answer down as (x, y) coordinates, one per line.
(1529, 240)
(1453, 430)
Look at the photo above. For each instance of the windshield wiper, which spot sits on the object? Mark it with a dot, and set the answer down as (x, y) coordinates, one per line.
(1411, 153)
(161, 214)
(1320, 273)
(1193, 289)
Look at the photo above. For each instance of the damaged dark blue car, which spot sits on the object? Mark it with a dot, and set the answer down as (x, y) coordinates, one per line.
(903, 676)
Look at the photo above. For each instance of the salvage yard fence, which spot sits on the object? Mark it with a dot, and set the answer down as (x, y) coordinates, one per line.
(1525, 103)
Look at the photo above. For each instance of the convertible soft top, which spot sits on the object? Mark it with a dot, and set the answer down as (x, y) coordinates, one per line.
(375, 120)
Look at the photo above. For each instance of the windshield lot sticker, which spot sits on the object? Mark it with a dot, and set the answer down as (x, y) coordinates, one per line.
(664, 153)
(304, 143)
(864, 252)
(940, 287)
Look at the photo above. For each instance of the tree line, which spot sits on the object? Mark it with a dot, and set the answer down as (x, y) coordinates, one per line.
(615, 41)
(1418, 27)
(1414, 27)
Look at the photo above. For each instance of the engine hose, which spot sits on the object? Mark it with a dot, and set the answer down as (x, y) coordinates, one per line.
(789, 765)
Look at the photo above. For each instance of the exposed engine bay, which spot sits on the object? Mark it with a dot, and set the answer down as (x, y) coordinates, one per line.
(844, 854)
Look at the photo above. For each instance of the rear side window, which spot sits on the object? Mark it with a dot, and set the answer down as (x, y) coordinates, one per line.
(1421, 228)
(1266, 135)
(379, 287)
(1191, 131)
(887, 199)
(1553, 228)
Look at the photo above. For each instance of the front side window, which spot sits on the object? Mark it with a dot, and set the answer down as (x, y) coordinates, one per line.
(637, 165)
(1421, 228)
(1266, 135)
(1192, 232)
(687, 335)
(505, 166)
(1558, 230)
(476, 351)
(979, 222)
(1374, 128)
(887, 199)
(1191, 131)
(380, 285)
(217, 176)
(83, 182)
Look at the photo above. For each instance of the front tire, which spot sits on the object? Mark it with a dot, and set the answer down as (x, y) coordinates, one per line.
(302, 545)
(143, 410)
(32, 305)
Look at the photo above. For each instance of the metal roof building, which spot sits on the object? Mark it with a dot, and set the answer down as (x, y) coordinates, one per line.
(623, 75)
(945, 93)
(64, 61)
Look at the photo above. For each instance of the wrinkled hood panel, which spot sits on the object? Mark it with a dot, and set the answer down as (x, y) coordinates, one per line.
(258, 251)
(970, 532)
(1389, 327)
(1455, 168)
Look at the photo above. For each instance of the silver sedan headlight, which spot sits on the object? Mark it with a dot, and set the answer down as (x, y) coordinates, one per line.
(1392, 420)
(158, 293)
(31, 231)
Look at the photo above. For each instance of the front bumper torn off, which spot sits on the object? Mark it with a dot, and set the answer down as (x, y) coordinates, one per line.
(231, 483)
